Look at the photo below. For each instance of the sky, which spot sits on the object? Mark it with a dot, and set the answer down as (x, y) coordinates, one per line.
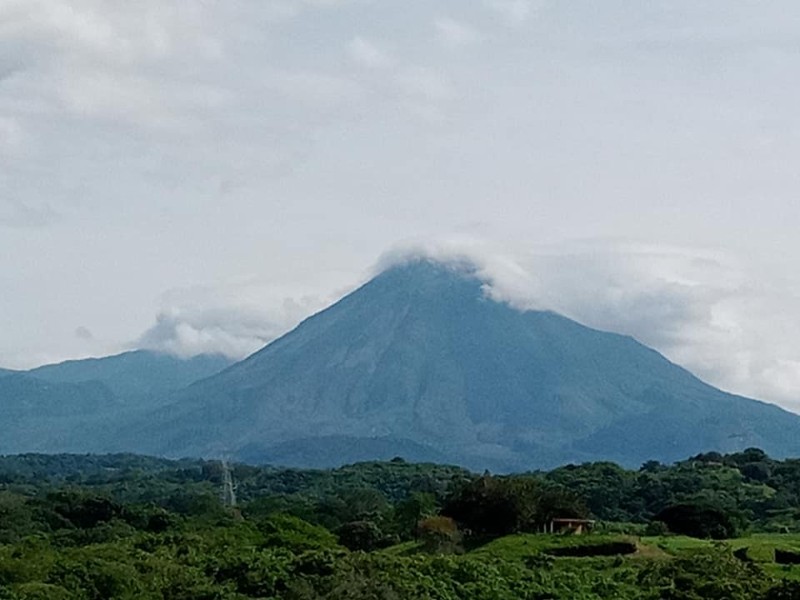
(198, 176)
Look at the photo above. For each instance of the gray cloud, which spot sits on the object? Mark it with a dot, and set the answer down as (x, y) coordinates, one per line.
(83, 333)
(368, 54)
(18, 214)
(515, 12)
(455, 34)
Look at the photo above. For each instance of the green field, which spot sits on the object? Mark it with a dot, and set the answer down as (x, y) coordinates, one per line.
(523, 547)
(760, 547)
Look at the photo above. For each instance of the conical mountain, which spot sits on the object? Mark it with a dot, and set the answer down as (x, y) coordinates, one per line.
(419, 362)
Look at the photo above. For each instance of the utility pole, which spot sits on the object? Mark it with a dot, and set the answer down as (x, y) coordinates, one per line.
(228, 494)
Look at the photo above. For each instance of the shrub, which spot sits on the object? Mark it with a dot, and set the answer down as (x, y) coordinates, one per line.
(787, 557)
(604, 549)
(698, 520)
(439, 534)
(497, 506)
(361, 535)
(286, 531)
(786, 590)
(656, 528)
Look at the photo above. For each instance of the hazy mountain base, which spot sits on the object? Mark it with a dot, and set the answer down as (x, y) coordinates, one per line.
(72, 406)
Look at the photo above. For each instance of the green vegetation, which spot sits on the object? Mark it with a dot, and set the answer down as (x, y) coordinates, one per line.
(132, 527)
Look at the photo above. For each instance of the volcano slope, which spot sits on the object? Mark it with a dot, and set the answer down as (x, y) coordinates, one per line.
(419, 362)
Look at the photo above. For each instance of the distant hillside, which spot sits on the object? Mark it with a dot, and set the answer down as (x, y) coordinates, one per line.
(140, 375)
(27, 396)
(420, 360)
(50, 417)
(69, 406)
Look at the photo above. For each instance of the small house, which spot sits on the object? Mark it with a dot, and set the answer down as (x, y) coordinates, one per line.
(570, 526)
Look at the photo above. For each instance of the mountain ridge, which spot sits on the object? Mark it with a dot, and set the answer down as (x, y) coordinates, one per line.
(135, 373)
(67, 406)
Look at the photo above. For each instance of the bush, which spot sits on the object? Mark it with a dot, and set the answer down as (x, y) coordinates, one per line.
(362, 535)
(698, 520)
(603, 549)
(656, 528)
(439, 534)
(497, 506)
(787, 557)
(705, 575)
(286, 531)
(35, 591)
(786, 590)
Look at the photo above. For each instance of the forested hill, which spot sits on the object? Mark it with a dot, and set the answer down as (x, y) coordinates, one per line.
(761, 491)
(128, 527)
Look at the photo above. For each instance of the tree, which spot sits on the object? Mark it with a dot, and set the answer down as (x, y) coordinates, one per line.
(698, 520)
(439, 534)
(361, 535)
(409, 512)
(496, 506)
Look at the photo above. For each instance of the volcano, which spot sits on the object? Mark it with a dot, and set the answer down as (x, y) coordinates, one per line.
(419, 362)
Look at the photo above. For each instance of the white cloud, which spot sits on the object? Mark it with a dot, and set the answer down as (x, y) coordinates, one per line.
(367, 54)
(455, 34)
(424, 82)
(313, 89)
(417, 90)
(514, 12)
(151, 64)
(12, 136)
(231, 333)
(234, 319)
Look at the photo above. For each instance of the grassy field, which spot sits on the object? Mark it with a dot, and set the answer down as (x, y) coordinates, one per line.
(518, 547)
(760, 547)
(524, 547)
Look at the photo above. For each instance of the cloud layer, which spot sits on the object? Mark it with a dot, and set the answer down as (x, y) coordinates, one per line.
(235, 319)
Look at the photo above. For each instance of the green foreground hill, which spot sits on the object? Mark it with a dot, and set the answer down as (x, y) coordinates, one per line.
(125, 527)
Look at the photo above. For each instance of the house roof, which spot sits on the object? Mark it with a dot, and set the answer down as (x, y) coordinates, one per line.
(575, 521)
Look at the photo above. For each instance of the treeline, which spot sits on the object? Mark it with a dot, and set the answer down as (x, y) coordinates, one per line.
(759, 493)
(125, 527)
(756, 492)
(89, 547)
